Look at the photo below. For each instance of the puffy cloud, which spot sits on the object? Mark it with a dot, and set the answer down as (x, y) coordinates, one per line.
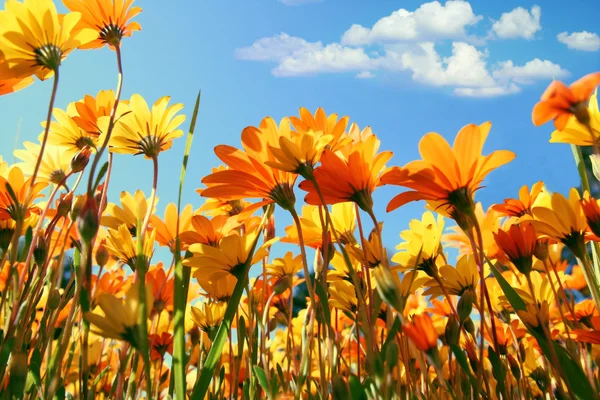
(429, 21)
(465, 67)
(530, 72)
(331, 58)
(584, 41)
(275, 48)
(518, 23)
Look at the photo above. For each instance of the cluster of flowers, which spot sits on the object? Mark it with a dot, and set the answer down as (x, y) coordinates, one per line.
(85, 313)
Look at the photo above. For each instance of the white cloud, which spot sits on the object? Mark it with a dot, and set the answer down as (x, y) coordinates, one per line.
(584, 41)
(518, 23)
(298, 2)
(429, 21)
(465, 67)
(365, 75)
(532, 71)
(491, 91)
(331, 58)
(275, 48)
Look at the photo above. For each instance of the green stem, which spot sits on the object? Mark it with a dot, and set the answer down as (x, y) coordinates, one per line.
(182, 276)
(218, 343)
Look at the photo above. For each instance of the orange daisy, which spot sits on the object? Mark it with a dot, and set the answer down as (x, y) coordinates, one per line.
(352, 177)
(321, 122)
(13, 85)
(560, 103)
(110, 18)
(522, 205)
(446, 177)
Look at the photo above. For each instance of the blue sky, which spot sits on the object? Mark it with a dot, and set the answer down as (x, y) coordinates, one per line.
(403, 67)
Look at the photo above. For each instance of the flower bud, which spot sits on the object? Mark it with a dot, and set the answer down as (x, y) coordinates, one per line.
(514, 366)
(469, 326)
(64, 205)
(87, 221)
(80, 159)
(282, 284)
(465, 304)
(541, 249)
(40, 250)
(452, 331)
(76, 206)
(102, 255)
(54, 299)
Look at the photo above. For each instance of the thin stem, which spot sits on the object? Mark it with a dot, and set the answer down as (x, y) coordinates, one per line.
(111, 122)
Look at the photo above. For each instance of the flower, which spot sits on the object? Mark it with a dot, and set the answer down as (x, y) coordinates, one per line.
(67, 134)
(248, 176)
(19, 207)
(560, 103)
(166, 230)
(300, 153)
(321, 122)
(421, 332)
(134, 209)
(591, 209)
(54, 167)
(209, 231)
(422, 246)
(87, 112)
(447, 178)
(288, 265)
(233, 252)
(121, 244)
(159, 345)
(578, 134)
(219, 289)
(8, 86)
(146, 131)
(208, 316)
(111, 20)
(121, 318)
(562, 220)
(465, 276)
(162, 289)
(348, 177)
(521, 206)
(35, 39)
(343, 296)
(518, 243)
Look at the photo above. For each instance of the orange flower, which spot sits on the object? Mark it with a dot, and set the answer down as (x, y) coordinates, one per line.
(522, 205)
(159, 345)
(518, 243)
(447, 178)
(592, 336)
(18, 208)
(591, 209)
(162, 289)
(353, 177)
(208, 231)
(329, 125)
(248, 176)
(13, 85)
(87, 111)
(421, 332)
(560, 102)
(110, 18)
(166, 230)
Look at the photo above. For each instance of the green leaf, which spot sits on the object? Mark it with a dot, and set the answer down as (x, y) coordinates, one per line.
(463, 362)
(100, 175)
(498, 370)
(261, 376)
(517, 303)
(322, 293)
(357, 390)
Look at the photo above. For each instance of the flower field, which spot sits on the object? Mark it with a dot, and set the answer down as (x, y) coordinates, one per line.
(88, 308)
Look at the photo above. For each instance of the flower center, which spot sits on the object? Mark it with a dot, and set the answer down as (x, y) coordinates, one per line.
(48, 56)
(111, 34)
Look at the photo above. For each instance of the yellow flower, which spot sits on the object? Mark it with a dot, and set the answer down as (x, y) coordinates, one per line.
(288, 265)
(229, 257)
(208, 316)
(35, 39)
(66, 133)
(219, 289)
(55, 164)
(370, 255)
(321, 122)
(146, 131)
(166, 229)
(343, 296)
(122, 246)
(562, 220)
(300, 153)
(134, 209)
(110, 19)
(120, 319)
(457, 279)
(422, 246)
(18, 208)
(578, 134)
